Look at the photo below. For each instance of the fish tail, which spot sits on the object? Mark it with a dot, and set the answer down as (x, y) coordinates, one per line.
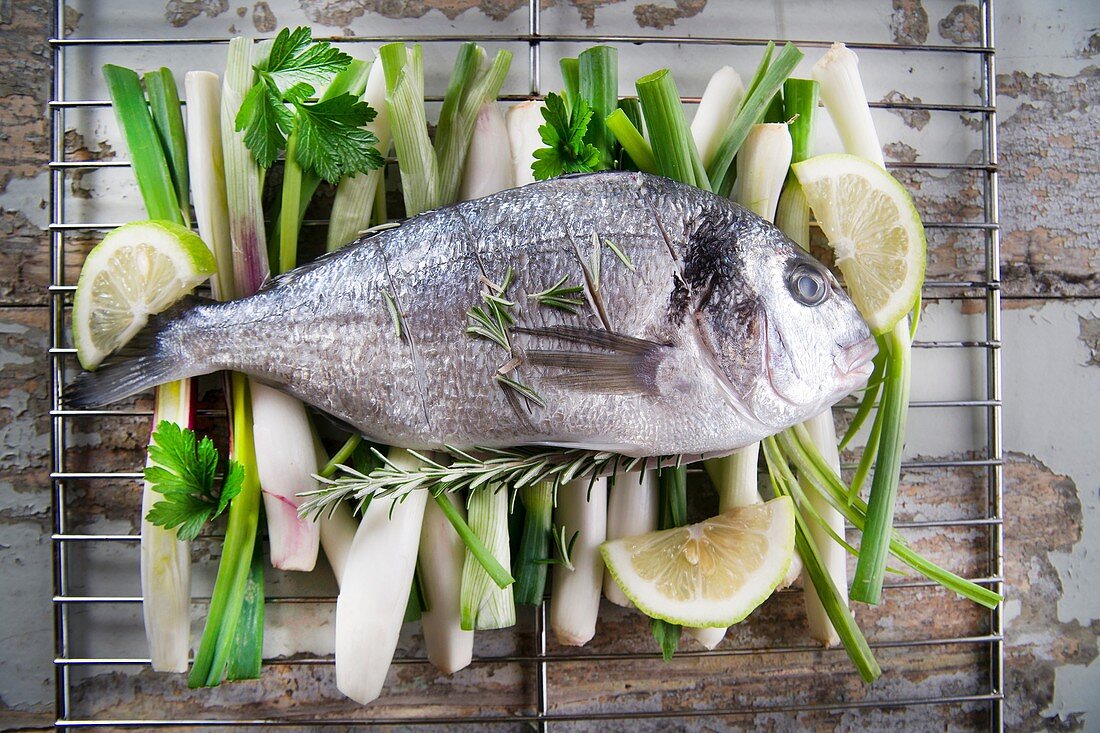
(147, 360)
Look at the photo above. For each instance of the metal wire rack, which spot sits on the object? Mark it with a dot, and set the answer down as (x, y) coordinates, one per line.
(549, 673)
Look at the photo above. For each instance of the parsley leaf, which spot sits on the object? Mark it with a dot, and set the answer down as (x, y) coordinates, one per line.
(266, 122)
(183, 470)
(565, 151)
(332, 140)
(293, 59)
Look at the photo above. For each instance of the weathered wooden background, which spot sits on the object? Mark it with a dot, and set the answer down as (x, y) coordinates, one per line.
(1049, 124)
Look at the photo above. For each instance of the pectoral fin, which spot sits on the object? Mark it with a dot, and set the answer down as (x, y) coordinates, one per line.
(605, 361)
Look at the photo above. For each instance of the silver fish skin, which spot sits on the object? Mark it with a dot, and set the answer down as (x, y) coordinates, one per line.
(711, 332)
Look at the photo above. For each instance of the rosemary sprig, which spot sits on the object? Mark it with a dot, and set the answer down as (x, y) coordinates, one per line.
(623, 256)
(516, 467)
(493, 321)
(564, 548)
(560, 296)
(395, 313)
(520, 388)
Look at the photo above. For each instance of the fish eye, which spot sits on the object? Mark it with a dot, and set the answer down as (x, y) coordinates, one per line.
(807, 284)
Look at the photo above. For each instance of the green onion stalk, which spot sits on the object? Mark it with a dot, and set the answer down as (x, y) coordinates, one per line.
(762, 165)
(842, 92)
(229, 210)
(431, 176)
(632, 509)
(356, 196)
(800, 99)
(675, 155)
(577, 582)
(671, 512)
(158, 155)
(375, 588)
(581, 511)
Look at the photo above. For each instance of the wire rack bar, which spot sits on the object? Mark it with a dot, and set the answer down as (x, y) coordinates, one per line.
(535, 37)
(541, 714)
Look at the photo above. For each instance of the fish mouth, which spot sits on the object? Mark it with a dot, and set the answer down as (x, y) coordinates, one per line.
(855, 359)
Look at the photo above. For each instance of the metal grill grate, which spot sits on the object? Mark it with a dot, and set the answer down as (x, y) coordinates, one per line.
(548, 667)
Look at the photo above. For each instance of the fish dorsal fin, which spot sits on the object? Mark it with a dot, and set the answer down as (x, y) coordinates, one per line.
(621, 365)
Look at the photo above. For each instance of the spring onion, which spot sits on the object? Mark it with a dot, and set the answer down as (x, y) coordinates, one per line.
(441, 556)
(374, 591)
(598, 86)
(337, 533)
(534, 546)
(575, 598)
(165, 560)
(800, 98)
(207, 173)
(523, 121)
(355, 196)
(769, 78)
(631, 510)
(488, 167)
(717, 107)
(226, 602)
(842, 92)
(164, 103)
(485, 605)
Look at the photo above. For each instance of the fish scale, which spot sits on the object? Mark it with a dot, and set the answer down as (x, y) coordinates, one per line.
(707, 340)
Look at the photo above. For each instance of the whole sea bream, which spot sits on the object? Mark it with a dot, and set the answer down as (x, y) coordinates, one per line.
(684, 325)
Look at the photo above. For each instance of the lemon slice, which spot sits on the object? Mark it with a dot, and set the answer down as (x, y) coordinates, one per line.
(874, 229)
(137, 270)
(709, 574)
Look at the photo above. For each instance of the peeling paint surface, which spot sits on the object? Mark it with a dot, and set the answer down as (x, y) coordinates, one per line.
(1049, 125)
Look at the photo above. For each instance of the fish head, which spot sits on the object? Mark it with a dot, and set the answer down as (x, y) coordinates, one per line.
(785, 335)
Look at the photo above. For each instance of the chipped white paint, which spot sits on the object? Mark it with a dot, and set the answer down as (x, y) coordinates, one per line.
(28, 197)
(1050, 413)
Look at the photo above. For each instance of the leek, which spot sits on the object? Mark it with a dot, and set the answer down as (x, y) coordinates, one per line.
(631, 510)
(374, 589)
(484, 604)
(842, 92)
(575, 599)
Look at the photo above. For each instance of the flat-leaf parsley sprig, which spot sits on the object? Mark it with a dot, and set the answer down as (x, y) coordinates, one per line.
(183, 470)
(564, 131)
(280, 111)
